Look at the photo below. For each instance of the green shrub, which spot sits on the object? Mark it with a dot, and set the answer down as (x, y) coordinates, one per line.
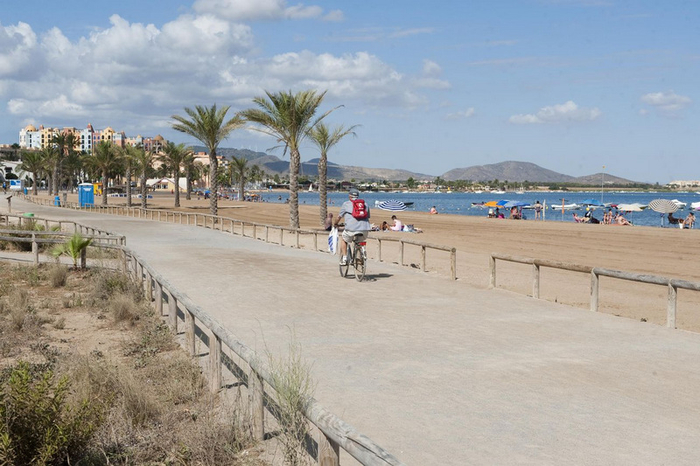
(37, 425)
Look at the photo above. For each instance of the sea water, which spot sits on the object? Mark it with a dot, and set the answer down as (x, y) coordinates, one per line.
(461, 203)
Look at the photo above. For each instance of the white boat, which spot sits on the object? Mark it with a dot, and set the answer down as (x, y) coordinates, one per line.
(498, 192)
(695, 205)
(679, 204)
(572, 206)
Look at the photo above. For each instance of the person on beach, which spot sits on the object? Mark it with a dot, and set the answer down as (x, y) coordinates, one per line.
(674, 220)
(398, 225)
(689, 221)
(328, 223)
(433, 210)
(353, 227)
(538, 210)
(620, 220)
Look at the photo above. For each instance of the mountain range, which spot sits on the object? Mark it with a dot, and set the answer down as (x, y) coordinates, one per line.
(511, 171)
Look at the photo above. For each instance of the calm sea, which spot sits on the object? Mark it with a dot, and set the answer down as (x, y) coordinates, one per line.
(461, 203)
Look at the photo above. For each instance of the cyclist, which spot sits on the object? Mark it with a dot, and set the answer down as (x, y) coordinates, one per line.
(353, 226)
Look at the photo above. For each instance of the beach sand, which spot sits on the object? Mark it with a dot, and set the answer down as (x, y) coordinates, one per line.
(668, 252)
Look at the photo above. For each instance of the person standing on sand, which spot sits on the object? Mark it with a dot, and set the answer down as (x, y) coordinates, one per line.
(538, 210)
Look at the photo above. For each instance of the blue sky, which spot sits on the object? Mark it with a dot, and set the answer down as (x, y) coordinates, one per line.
(571, 85)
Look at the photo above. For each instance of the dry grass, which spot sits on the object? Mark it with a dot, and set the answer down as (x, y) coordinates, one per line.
(157, 407)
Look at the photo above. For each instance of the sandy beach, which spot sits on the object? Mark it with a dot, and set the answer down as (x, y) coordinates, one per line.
(668, 252)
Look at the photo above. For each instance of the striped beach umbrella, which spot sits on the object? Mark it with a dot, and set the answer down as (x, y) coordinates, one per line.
(663, 206)
(392, 205)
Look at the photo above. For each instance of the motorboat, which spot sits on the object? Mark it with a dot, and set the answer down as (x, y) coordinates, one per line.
(572, 206)
(679, 204)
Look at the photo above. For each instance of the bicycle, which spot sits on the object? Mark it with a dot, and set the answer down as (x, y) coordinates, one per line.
(356, 257)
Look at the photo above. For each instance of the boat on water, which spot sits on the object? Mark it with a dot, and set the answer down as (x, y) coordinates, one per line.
(498, 192)
(572, 206)
(679, 204)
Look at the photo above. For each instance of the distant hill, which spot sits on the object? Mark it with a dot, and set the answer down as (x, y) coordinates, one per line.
(276, 166)
(526, 171)
(510, 171)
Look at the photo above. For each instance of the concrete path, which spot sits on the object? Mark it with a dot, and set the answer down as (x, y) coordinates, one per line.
(439, 372)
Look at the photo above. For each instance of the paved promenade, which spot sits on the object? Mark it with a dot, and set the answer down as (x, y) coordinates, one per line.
(438, 372)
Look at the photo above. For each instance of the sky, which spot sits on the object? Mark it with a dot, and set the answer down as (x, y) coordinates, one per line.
(575, 86)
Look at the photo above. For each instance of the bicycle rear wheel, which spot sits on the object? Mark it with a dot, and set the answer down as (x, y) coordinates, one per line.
(344, 268)
(359, 262)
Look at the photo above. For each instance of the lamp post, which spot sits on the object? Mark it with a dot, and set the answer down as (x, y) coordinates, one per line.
(602, 178)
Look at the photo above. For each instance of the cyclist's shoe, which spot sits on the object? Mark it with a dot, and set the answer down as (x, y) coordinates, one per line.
(344, 260)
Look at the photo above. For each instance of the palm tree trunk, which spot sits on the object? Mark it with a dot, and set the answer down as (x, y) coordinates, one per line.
(213, 183)
(241, 188)
(294, 158)
(188, 177)
(36, 182)
(128, 184)
(104, 187)
(55, 179)
(322, 191)
(176, 177)
(143, 189)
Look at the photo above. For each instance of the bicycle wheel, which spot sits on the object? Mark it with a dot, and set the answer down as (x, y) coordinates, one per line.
(359, 262)
(344, 268)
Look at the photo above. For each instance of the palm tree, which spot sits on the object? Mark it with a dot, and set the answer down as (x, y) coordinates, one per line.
(289, 118)
(73, 248)
(65, 142)
(105, 159)
(209, 126)
(173, 157)
(143, 162)
(128, 154)
(325, 139)
(239, 169)
(34, 162)
(188, 165)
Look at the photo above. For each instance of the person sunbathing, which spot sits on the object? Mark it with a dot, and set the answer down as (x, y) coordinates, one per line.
(689, 221)
(674, 220)
(620, 220)
(578, 219)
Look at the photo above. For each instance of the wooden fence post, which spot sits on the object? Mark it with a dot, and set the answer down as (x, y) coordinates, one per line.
(256, 395)
(328, 451)
(672, 305)
(422, 258)
(267, 234)
(189, 332)
(214, 362)
(172, 312)
(379, 240)
(35, 249)
(401, 252)
(255, 231)
(535, 281)
(595, 285)
(149, 287)
(281, 236)
(492, 268)
(315, 241)
(159, 298)
(453, 263)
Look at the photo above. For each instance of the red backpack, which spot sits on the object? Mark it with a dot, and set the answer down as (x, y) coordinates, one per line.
(359, 209)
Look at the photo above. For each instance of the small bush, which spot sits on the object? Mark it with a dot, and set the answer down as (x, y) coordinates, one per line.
(37, 425)
(124, 309)
(109, 283)
(58, 275)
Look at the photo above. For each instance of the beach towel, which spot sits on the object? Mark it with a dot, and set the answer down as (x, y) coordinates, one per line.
(333, 241)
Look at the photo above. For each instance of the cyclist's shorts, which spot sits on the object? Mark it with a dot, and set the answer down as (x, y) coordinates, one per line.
(361, 235)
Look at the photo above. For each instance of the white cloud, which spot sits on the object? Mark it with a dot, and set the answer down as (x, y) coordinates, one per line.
(17, 49)
(246, 10)
(668, 103)
(334, 16)
(566, 112)
(430, 68)
(462, 114)
(140, 74)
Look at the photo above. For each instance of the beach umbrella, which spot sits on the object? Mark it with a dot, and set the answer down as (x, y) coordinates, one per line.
(500, 203)
(635, 207)
(392, 205)
(663, 206)
(511, 204)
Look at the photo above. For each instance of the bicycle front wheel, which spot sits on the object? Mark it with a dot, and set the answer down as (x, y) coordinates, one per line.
(359, 262)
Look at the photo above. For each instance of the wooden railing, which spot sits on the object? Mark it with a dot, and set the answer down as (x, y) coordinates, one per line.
(672, 284)
(333, 432)
(269, 233)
